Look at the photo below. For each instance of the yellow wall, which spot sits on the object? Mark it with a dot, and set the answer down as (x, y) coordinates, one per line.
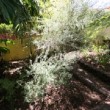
(18, 50)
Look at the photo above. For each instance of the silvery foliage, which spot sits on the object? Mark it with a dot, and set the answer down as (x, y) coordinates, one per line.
(54, 71)
(62, 31)
(65, 29)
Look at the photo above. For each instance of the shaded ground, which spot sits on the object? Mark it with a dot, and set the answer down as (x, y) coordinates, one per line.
(88, 94)
(101, 61)
(11, 95)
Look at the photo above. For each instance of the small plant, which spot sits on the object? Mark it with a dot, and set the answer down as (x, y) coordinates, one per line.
(4, 28)
(103, 59)
(6, 36)
(3, 50)
(54, 71)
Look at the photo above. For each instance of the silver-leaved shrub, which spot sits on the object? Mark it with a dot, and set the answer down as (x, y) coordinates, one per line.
(63, 32)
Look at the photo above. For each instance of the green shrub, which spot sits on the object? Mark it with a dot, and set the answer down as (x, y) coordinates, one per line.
(103, 58)
(4, 28)
(6, 36)
(63, 32)
(54, 71)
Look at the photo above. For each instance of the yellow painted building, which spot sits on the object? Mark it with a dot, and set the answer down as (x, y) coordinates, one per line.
(20, 49)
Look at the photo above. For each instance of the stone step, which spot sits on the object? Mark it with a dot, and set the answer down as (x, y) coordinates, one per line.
(91, 82)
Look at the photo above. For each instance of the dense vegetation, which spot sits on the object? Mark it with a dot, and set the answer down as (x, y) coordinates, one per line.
(65, 27)
(64, 31)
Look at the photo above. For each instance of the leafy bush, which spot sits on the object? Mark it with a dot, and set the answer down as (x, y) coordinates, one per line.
(97, 31)
(103, 59)
(63, 32)
(54, 71)
(5, 28)
(6, 36)
(6, 32)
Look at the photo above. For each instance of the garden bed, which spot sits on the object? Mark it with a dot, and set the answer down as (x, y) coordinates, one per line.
(74, 96)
